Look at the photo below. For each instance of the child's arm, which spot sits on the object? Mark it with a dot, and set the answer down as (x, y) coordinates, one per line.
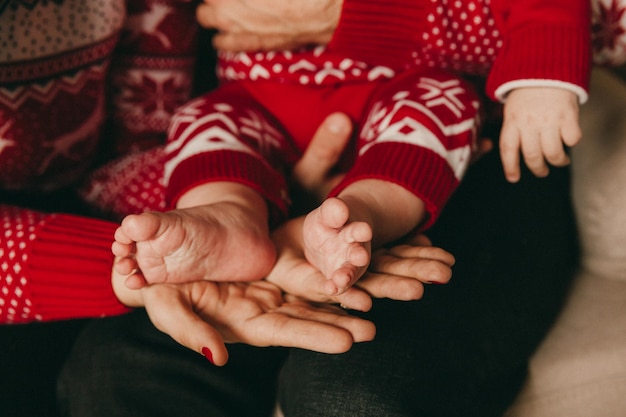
(539, 122)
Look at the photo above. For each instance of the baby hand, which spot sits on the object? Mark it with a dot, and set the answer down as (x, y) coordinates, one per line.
(538, 121)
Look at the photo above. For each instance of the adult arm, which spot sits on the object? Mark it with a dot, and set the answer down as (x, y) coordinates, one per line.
(247, 25)
(381, 32)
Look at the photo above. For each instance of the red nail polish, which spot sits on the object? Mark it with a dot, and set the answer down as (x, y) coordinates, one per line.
(208, 354)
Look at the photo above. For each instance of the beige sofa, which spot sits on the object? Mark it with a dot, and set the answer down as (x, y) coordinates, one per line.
(580, 368)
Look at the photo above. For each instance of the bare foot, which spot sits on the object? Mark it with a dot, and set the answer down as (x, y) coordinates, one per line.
(339, 248)
(217, 242)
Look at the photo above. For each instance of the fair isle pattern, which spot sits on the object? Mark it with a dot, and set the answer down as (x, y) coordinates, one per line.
(307, 67)
(45, 91)
(147, 98)
(460, 35)
(609, 32)
(132, 184)
(52, 127)
(17, 230)
(152, 71)
(224, 128)
(54, 57)
(170, 25)
(395, 123)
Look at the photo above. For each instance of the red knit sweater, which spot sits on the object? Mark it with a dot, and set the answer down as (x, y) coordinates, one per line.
(541, 39)
(508, 40)
(58, 266)
(513, 43)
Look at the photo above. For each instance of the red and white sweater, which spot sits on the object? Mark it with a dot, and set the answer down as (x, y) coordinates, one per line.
(540, 39)
(54, 60)
(58, 266)
(514, 43)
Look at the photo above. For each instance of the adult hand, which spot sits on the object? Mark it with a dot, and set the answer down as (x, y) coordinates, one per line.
(205, 315)
(398, 273)
(250, 25)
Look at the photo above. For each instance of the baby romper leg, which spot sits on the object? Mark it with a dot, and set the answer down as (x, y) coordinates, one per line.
(226, 135)
(419, 133)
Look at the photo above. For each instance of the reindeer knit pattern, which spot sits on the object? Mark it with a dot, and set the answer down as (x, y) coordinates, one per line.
(52, 82)
(55, 57)
(52, 89)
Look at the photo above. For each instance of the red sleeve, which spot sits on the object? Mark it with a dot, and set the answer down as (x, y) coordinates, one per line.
(238, 167)
(66, 273)
(418, 170)
(545, 40)
(379, 32)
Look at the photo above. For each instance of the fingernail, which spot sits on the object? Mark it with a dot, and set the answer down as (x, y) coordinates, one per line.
(208, 354)
(336, 124)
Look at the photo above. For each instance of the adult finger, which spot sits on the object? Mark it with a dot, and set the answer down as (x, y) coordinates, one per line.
(424, 270)
(361, 330)
(419, 251)
(354, 298)
(393, 287)
(323, 152)
(327, 329)
(311, 287)
(173, 315)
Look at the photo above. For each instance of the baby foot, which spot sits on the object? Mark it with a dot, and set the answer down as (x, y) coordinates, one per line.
(214, 242)
(339, 248)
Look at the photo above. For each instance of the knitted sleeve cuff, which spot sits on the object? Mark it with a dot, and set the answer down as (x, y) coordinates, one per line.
(68, 269)
(419, 170)
(233, 167)
(379, 32)
(542, 52)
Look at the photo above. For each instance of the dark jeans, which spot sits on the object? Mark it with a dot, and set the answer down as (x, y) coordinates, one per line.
(461, 351)
(122, 366)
